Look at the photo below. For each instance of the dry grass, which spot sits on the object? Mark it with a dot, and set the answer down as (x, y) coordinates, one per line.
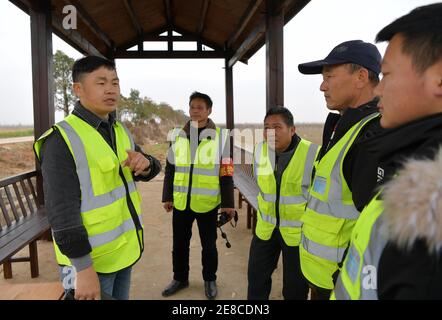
(19, 157)
(19, 127)
(16, 158)
(251, 133)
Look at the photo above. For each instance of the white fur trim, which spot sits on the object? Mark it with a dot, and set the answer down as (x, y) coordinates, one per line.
(413, 204)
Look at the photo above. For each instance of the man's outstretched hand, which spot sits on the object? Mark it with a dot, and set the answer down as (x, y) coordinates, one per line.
(136, 161)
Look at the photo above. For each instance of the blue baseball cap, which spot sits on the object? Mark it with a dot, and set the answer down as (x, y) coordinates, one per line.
(355, 51)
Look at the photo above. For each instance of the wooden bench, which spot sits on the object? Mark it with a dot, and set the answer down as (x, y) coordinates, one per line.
(246, 185)
(22, 221)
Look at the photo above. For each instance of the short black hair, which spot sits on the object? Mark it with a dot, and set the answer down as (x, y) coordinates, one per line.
(287, 116)
(373, 77)
(199, 95)
(422, 32)
(89, 64)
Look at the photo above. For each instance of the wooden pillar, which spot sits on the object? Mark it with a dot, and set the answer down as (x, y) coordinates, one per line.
(42, 75)
(229, 96)
(169, 39)
(274, 54)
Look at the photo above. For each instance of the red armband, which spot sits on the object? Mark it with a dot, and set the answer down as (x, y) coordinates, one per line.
(226, 169)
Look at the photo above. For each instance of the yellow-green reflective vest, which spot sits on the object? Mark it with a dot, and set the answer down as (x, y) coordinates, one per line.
(205, 191)
(358, 277)
(113, 236)
(330, 213)
(293, 191)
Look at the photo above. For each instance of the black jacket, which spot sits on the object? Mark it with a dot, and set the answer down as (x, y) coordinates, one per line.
(358, 169)
(410, 266)
(226, 182)
(62, 188)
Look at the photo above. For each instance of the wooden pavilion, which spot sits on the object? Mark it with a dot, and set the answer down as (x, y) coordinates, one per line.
(233, 30)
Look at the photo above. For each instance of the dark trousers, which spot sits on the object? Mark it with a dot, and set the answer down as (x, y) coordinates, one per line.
(263, 259)
(318, 293)
(182, 232)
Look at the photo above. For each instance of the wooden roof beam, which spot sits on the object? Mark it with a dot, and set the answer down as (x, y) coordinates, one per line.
(168, 12)
(248, 14)
(74, 38)
(198, 38)
(24, 5)
(289, 13)
(144, 36)
(131, 12)
(170, 55)
(203, 15)
(92, 25)
(248, 43)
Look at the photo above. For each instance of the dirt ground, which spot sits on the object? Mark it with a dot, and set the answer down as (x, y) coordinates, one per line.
(154, 270)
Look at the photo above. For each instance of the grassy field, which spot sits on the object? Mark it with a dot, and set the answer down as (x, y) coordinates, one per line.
(15, 131)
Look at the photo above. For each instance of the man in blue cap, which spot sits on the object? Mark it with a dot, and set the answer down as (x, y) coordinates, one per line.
(344, 174)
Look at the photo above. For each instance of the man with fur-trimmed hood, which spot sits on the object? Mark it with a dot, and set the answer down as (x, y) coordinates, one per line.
(395, 250)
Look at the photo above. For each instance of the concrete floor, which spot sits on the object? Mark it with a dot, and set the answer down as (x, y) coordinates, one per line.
(154, 270)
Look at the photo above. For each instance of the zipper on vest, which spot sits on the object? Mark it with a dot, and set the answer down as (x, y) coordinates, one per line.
(193, 152)
(130, 205)
(133, 212)
(190, 187)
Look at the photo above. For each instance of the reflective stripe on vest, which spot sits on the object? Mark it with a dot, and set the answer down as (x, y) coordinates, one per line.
(336, 208)
(202, 199)
(131, 139)
(205, 172)
(111, 228)
(88, 200)
(353, 282)
(282, 223)
(292, 198)
(330, 213)
(326, 252)
(311, 155)
(103, 238)
(283, 199)
(203, 191)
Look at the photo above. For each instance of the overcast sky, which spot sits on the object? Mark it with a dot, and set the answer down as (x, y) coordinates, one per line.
(310, 35)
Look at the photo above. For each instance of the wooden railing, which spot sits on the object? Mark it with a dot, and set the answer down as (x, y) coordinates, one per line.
(246, 184)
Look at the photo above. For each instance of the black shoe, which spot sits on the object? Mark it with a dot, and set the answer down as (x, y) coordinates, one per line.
(174, 287)
(210, 289)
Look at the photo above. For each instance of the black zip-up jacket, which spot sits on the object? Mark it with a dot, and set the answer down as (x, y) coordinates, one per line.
(410, 266)
(358, 169)
(62, 187)
(226, 182)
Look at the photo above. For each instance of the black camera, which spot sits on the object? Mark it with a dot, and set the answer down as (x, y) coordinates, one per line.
(223, 219)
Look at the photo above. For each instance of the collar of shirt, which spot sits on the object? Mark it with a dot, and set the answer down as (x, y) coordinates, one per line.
(90, 117)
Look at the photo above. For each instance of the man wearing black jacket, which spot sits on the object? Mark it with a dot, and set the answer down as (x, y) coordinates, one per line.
(195, 192)
(97, 86)
(350, 74)
(405, 250)
(282, 167)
